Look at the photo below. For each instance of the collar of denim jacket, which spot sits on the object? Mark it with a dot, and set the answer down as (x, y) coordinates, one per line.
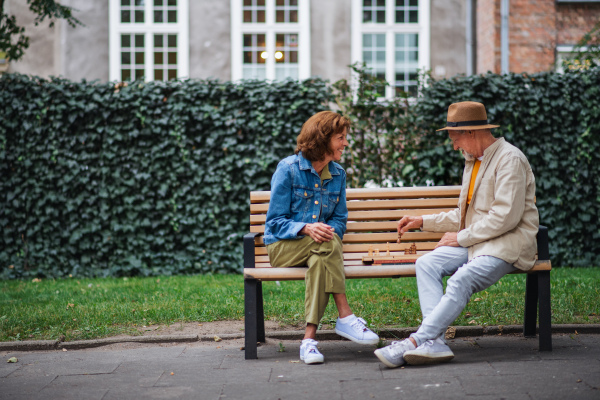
(307, 165)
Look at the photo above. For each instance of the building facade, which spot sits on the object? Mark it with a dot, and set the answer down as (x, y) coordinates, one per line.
(278, 39)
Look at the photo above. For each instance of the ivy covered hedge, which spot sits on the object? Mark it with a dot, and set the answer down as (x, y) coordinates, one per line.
(555, 120)
(153, 178)
(145, 179)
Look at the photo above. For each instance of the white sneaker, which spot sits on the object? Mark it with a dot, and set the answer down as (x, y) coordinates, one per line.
(431, 352)
(357, 331)
(392, 355)
(309, 352)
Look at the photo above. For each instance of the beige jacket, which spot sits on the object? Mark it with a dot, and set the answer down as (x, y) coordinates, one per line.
(502, 219)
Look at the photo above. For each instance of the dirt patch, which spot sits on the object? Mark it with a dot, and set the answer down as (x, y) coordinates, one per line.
(208, 328)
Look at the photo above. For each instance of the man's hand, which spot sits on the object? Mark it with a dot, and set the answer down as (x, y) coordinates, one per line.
(408, 222)
(319, 232)
(449, 239)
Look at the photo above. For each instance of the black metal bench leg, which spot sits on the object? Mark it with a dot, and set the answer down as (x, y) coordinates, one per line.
(545, 311)
(251, 317)
(531, 305)
(260, 313)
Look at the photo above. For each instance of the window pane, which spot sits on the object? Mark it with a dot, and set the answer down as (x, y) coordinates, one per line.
(374, 11)
(139, 58)
(254, 11)
(158, 40)
(286, 12)
(172, 16)
(139, 16)
(125, 16)
(125, 2)
(172, 74)
(172, 58)
(374, 54)
(139, 40)
(172, 39)
(126, 58)
(406, 63)
(413, 16)
(158, 16)
(407, 11)
(158, 75)
(158, 2)
(139, 73)
(125, 74)
(400, 17)
(280, 16)
(125, 41)
(172, 2)
(158, 58)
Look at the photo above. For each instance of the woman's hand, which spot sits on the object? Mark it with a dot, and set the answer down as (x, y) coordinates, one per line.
(319, 232)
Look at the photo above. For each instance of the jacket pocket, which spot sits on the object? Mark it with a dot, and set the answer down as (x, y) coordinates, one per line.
(301, 200)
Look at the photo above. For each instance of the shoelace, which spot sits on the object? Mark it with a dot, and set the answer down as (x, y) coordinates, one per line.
(359, 324)
(396, 347)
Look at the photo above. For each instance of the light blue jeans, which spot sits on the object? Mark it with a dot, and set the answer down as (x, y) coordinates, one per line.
(440, 310)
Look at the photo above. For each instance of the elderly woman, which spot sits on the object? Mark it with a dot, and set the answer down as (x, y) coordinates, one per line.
(306, 222)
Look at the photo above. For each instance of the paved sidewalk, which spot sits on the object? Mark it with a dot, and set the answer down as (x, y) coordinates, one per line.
(486, 367)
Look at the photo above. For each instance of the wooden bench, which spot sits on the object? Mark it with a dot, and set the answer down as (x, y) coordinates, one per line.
(373, 215)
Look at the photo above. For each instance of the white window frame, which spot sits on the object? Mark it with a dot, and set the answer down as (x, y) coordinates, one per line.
(564, 52)
(148, 29)
(270, 28)
(390, 29)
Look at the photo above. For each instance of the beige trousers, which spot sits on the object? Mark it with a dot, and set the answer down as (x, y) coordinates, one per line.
(325, 273)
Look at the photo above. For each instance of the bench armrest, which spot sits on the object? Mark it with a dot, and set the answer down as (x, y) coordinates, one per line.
(543, 248)
(249, 249)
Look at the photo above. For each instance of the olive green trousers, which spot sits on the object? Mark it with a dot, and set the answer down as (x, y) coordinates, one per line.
(325, 272)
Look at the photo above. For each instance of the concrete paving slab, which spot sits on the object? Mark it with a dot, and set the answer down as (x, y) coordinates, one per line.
(164, 393)
(283, 390)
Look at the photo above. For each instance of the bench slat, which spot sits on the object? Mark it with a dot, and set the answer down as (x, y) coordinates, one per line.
(380, 215)
(380, 193)
(357, 271)
(353, 205)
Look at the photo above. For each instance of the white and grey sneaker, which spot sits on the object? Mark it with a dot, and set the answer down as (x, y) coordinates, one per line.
(356, 330)
(392, 355)
(431, 352)
(309, 352)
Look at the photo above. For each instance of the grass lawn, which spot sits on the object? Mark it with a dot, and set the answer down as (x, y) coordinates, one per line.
(95, 308)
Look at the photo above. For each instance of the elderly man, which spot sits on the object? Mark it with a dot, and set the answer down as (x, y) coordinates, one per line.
(492, 232)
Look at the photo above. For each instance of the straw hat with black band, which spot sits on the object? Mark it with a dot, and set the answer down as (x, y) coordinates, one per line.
(467, 116)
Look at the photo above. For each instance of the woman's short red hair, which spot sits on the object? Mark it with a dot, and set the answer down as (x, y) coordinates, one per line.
(313, 140)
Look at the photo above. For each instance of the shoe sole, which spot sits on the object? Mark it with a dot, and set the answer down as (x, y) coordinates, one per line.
(313, 361)
(355, 340)
(422, 359)
(385, 360)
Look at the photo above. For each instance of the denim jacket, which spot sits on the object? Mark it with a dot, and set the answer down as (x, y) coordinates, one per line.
(297, 199)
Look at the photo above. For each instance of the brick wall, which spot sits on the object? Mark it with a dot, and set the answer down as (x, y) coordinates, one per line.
(536, 27)
(532, 35)
(575, 20)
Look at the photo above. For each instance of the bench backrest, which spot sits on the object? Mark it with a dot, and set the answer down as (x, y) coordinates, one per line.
(373, 216)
